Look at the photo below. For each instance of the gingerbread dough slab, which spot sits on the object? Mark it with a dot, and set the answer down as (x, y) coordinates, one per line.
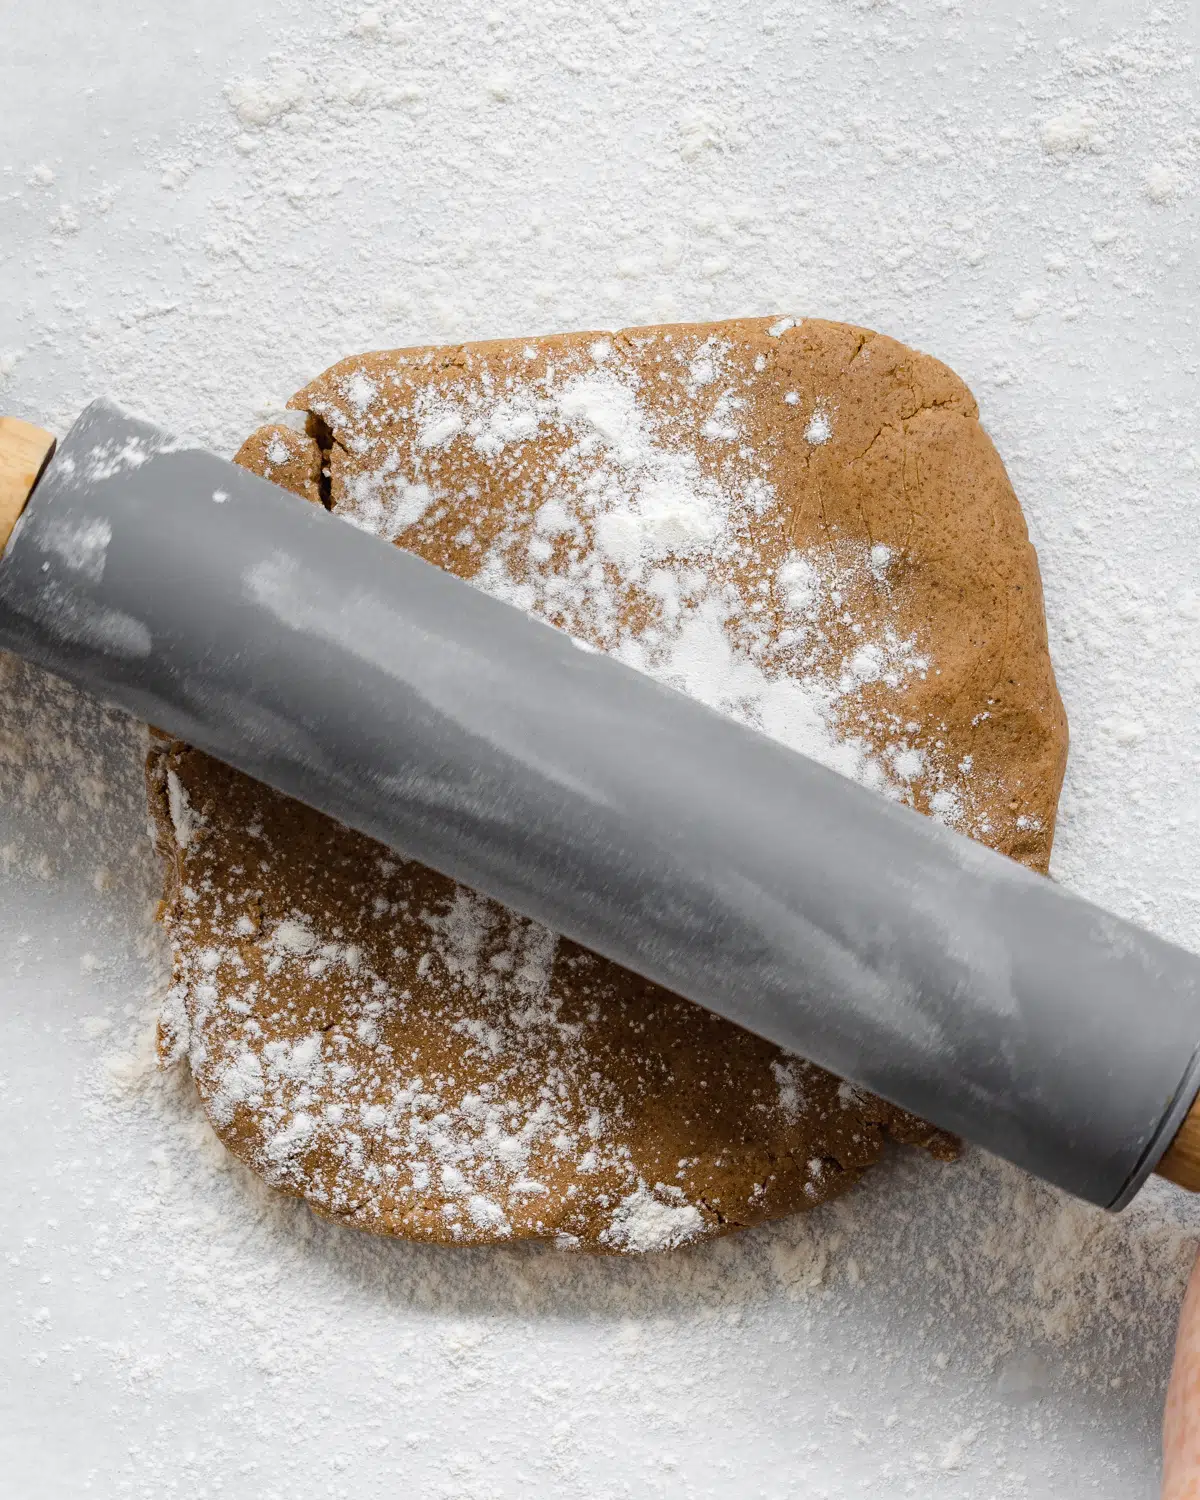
(803, 524)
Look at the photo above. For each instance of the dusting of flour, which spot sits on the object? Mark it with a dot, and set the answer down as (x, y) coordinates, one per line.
(1014, 187)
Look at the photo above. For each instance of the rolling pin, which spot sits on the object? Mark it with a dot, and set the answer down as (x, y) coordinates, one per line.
(694, 851)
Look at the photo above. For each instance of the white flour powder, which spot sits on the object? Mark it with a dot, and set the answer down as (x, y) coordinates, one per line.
(1013, 189)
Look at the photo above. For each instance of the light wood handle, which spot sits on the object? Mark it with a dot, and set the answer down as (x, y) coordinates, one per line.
(24, 453)
(1181, 1164)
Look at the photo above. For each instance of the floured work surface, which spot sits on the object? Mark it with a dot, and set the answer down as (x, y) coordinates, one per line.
(806, 527)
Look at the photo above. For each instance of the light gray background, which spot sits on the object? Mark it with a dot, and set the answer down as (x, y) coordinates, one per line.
(1012, 187)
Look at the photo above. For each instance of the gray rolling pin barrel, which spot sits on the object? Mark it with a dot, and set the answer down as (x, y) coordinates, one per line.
(701, 854)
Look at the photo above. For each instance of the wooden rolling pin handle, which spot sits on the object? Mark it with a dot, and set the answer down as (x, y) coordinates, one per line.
(1181, 1163)
(24, 452)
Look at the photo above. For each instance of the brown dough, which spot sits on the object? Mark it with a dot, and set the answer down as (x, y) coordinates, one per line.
(414, 1060)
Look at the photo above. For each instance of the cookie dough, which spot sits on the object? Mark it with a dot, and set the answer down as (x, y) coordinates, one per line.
(803, 524)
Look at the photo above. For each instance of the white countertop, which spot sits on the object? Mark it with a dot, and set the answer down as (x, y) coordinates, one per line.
(200, 211)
